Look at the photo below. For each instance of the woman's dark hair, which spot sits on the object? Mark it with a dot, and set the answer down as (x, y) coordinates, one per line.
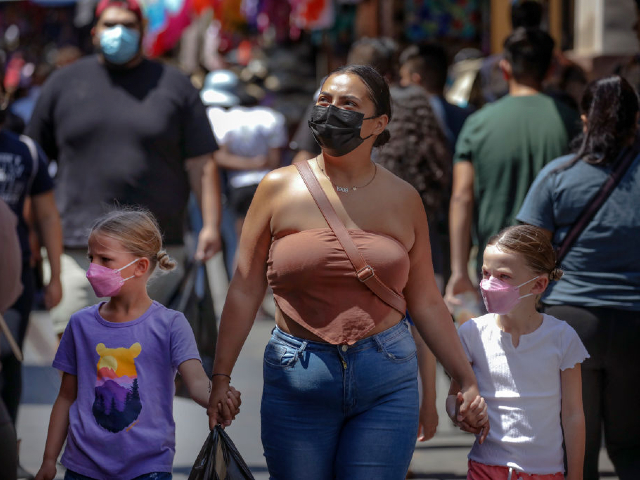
(611, 107)
(418, 150)
(378, 92)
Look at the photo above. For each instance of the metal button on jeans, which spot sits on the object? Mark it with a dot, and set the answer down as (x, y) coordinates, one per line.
(344, 348)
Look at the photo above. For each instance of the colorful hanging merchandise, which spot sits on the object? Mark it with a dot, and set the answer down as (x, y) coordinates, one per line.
(229, 14)
(436, 19)
(262, 15)
(312, 14)
(167, 20)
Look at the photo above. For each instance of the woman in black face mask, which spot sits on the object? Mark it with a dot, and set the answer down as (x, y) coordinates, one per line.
(344, 245)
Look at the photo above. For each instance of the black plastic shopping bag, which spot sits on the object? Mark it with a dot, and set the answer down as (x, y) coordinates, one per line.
(219, 459)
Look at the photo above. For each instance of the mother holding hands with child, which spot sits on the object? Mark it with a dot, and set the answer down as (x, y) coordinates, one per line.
(344, 244)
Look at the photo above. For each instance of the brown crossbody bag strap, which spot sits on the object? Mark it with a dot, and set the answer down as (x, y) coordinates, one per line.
(364, 271)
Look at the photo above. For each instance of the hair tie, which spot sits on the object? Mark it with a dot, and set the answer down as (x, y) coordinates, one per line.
(556, 274)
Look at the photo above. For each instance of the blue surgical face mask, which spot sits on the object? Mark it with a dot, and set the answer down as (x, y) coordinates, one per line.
(119, 44)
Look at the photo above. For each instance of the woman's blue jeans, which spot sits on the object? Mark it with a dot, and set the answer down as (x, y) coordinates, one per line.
(338, 411)
(69, 475)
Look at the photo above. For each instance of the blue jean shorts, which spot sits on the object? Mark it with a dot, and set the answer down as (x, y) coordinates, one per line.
(340, 411)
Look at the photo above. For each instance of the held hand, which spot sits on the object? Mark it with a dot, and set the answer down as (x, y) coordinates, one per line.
(52, 293)
(209, 243)
(47, 470)
(472, 417)
(234, 401)
(458, 283)
(224, 403)
(428, 421)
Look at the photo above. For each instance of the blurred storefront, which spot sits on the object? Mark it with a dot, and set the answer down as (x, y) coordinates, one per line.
(595, 33)
(284, 47)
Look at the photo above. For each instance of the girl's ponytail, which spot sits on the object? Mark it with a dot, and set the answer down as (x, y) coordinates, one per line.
(165, 262)
(137, 229)
(534, 246)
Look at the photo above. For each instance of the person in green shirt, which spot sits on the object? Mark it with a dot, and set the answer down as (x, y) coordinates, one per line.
(501, 149)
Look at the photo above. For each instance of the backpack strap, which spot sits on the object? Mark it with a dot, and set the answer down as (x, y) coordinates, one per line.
(4, 328)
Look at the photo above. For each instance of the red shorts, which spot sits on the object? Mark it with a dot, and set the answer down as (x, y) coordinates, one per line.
(480, 471)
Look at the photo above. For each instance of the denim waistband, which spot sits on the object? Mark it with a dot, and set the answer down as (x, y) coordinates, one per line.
(374, 341)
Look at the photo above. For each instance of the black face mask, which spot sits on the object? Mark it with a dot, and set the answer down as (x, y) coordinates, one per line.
(337, 130)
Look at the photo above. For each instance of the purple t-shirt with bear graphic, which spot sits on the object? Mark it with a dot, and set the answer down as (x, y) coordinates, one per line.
(121, 424)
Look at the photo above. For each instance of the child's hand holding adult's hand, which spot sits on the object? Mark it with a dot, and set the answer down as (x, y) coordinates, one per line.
(224, 402)
(47, 470)
(473, 417)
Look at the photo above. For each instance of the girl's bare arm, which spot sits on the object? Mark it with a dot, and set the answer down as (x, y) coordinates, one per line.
(58, 426)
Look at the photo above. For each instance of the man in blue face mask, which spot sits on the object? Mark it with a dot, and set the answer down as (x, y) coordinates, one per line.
(125, 130)
(118, 33)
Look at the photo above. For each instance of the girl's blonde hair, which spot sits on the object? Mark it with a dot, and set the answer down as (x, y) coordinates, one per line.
(138, 232)
(533, 245)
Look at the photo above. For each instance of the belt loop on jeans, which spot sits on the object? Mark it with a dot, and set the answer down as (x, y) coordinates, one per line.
(301, 349)
(378, 343)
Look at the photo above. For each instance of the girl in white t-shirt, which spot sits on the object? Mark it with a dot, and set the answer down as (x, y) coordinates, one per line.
(527, 365)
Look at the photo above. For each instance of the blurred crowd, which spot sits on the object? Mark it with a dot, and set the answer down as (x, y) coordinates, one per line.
(82, 133)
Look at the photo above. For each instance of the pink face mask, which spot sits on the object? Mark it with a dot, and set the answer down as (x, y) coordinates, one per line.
(106, 282)
(500, 297)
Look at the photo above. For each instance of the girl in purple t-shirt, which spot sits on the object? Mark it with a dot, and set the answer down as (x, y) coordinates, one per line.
(119, 360)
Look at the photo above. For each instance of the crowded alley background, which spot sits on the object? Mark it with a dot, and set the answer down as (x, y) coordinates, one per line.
(228, 87)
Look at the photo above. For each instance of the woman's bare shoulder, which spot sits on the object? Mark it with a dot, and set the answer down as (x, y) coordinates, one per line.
(278, 179)
(402, 190)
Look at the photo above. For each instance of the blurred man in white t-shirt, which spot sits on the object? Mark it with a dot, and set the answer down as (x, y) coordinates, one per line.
(250, 138)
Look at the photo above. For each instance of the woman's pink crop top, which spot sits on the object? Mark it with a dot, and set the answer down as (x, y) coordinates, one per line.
(315, 284)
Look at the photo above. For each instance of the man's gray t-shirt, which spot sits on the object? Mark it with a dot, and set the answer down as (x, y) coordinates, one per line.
(120, 137)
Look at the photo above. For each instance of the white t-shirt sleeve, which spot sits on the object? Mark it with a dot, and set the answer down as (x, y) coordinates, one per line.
(573, 351)
(278, 135)
(467, 335)
(220, 124)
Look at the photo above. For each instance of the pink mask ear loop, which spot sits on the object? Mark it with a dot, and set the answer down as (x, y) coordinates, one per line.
(131, 263)
(528, 281)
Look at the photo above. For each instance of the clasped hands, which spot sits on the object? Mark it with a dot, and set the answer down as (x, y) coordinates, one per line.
(472, 418)
(224, 403)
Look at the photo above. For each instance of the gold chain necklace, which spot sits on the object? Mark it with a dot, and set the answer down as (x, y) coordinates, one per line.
(348, 189)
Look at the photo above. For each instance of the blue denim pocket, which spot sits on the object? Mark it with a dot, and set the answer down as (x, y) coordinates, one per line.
(400, 348)
(280, 355)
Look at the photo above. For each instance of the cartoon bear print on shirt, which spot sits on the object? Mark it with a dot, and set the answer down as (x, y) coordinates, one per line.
(117, 403)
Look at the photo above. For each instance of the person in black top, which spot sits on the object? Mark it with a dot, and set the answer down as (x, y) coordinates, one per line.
(10, 289)
(23, 174)
(125, 130)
